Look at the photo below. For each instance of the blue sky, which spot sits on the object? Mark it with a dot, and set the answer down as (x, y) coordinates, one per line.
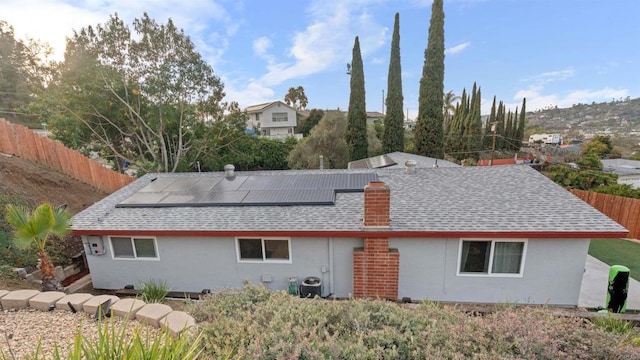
(553, 52)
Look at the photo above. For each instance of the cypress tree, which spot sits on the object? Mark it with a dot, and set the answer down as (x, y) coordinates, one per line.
(429, 128)
(488, 134)
(393, 138)
(453, 142)
(356, 132)
(500, 126)
(521, 123)
(473, 128)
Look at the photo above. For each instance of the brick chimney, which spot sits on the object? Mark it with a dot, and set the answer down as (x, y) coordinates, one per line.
(376, 266)
(377, 203)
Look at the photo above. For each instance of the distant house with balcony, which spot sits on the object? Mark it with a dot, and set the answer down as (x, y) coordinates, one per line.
(273, 119)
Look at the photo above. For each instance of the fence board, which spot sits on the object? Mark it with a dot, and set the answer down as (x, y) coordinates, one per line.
(625, 211)
(19, 141)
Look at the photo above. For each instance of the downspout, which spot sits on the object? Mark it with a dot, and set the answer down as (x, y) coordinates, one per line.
(331, 276)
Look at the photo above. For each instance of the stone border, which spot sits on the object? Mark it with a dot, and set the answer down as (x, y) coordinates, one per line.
(158, 315)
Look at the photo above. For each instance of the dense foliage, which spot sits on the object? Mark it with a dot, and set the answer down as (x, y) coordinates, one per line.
(356, 131)
(393, 138)
(23, 72)
(463, 130)
(305, 125)
(326, 139)
(143, 95)
(429, 138)
(258, 324)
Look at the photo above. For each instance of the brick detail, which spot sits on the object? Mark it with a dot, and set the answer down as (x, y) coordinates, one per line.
(376, 270)
(377, 204)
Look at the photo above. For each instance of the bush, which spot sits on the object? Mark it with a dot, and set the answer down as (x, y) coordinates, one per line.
(114, 343)
(154, 291)
(255, 323)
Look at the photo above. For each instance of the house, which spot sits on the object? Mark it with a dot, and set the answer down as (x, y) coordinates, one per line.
(455, 234)
(397, 160)
(628, 171)
(274, 119)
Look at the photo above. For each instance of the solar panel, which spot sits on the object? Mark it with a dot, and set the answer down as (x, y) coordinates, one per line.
(277, 189)
(381, 161)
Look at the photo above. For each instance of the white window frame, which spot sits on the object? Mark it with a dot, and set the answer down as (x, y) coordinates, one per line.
(264, 259)
(133, 246)
(273, 117)
(491, 251)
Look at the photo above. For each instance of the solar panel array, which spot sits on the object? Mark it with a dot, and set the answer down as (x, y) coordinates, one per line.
(206, 190)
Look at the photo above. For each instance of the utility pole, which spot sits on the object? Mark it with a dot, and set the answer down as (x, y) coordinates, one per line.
(494, 128)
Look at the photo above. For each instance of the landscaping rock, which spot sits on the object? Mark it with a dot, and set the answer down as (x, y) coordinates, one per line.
(18, 299)
(127, 307)
(177, 322)
(92, 304)
(76, 300)
(46, 300)
(152, 313)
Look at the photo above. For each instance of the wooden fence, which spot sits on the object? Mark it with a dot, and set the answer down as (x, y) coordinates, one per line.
(20, 141)
(625, 211)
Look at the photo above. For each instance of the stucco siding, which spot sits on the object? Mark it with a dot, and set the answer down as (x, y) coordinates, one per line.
(552, 273)
(195, 263)
(267, 115)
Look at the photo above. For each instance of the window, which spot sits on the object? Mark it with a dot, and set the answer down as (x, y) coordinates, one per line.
(491, 257)
(133, 248)
(269, 250)
(290, 130)
(266, 132)
(257, 116)
(279, 117)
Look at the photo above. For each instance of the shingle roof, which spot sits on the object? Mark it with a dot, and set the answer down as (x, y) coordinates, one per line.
(260, 107)
(621, 166)
(397, 159)
(446, 199)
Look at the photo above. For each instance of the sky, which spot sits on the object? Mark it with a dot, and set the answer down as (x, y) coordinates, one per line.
(553, 52)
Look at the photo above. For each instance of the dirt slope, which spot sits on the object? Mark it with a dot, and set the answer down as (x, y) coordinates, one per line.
(35, 184)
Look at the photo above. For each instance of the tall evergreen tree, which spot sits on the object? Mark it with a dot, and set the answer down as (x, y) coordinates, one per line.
(500, 119)
(393, 138)
(429, 128)
(521, 122)
(473, 126)
(488, 133)
(356, 132)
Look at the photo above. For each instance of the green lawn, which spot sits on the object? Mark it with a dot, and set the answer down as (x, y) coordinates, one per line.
(618, 252)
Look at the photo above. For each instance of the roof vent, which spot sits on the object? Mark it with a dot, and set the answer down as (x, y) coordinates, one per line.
(410, 166)
(229, 171)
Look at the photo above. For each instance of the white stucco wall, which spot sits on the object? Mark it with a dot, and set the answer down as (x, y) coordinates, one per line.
(428, 269)
(195, 263)
(552, 273)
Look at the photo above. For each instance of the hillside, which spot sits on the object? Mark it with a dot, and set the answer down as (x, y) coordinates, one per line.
(618, 117)
(23, 181)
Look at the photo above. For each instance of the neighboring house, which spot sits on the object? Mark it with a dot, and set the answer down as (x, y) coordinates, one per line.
(455, 234)
(398, 160)
(274, 119)
(628, 171)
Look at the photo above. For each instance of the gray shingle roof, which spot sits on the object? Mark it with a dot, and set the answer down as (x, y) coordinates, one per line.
(463, 199)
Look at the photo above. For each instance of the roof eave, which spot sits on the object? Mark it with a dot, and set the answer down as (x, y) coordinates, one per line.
(366, 233)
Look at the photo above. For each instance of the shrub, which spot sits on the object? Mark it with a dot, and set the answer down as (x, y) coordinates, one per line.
(255, 323)
(154, 291)
(114, 343)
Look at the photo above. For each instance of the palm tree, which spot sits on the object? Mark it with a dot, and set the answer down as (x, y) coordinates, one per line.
(448, 104)
(35, 228)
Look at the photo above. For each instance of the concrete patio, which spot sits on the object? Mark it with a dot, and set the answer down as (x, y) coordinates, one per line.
(593, 292)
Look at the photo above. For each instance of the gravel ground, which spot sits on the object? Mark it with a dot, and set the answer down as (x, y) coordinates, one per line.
(21, 331)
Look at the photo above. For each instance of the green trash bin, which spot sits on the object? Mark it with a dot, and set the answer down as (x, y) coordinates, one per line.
(618, 288)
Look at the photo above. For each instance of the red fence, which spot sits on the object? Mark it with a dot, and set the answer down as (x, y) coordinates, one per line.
(18, 140)
(625, 211)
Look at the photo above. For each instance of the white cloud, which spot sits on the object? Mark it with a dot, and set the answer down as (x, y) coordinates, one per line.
(458, 48)
(321, 45)
(538, 99)
(261, 45)
(551, 76)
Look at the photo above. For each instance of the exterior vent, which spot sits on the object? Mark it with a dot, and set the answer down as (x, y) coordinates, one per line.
(229, 171)
(410, 166)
